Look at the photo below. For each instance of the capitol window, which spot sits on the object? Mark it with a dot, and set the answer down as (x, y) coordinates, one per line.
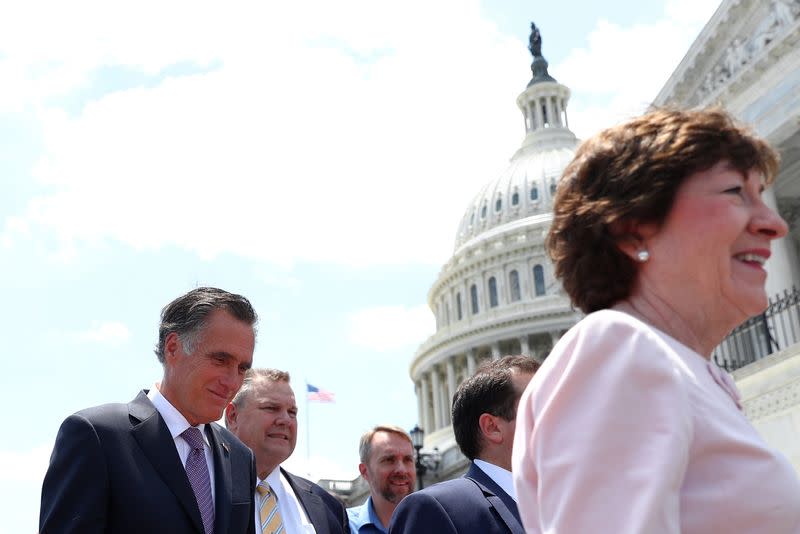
(534, 193)
(458, 306)
(483, 212)
(515, 199)
(473, 294)
(513, 283)
(493, 292)
(538, 280)
(498, 204)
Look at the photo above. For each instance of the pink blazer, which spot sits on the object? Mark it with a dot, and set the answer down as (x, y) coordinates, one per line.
(624, 429)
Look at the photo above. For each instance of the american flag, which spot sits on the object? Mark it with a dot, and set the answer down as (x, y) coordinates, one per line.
(319, 395)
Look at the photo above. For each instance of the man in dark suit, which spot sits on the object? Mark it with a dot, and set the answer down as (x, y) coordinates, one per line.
(483, 501)
(159, 463)
(263, 414)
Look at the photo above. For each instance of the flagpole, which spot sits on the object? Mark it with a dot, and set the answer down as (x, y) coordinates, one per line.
(308, 434)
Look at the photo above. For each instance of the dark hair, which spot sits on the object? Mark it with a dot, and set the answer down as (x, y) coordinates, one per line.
(629, 174)
(489, 390)
(187, 315)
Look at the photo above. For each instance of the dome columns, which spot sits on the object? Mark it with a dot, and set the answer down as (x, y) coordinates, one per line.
(544, 105)
(437, 385)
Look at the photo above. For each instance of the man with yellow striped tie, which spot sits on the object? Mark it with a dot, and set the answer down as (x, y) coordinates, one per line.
(263, 414)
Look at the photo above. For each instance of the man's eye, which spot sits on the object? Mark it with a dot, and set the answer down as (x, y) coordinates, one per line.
(734, 190)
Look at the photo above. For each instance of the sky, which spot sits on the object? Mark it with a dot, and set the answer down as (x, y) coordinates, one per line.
(314, 156)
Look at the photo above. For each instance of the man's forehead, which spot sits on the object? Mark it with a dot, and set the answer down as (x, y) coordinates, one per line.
(273, 391)
(390, 444)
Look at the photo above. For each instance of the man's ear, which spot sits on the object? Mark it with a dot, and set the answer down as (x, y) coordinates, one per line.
(362, 468)
(171, 345)
(489, 429)
(230, 416)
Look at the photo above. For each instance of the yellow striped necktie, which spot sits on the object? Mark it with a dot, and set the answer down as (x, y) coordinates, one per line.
(268, 513)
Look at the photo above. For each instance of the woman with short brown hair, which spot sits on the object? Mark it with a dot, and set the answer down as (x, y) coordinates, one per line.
(659, 235)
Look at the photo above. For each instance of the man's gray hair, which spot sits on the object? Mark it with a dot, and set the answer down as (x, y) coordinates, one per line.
(365, 445)
(188, 315)
(257, 376)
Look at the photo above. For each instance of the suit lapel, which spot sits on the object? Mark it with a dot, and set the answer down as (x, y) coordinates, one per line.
(152, 435)
(497, 498)
(222, 476)
(312, 504)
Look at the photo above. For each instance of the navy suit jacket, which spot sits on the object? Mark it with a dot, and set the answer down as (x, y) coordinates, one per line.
(115, 469)
(324, 511)
(471, 504)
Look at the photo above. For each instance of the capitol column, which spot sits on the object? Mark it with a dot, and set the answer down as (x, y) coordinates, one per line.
(436, 391)
(524, 347)
(472, 357)
(444, 405)
(426, 420)
(451, 382)
(554, 337)
(418, 393)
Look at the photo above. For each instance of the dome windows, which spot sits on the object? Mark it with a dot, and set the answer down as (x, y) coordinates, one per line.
(515, 199)
(459, 314)
(553, 187)
(492, 292)
(534, 193)
(498, 204)
(538, 280)
(513, 284)
(473, 295)
(483, 212)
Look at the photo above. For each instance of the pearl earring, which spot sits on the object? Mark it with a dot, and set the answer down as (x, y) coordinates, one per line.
(642, 256)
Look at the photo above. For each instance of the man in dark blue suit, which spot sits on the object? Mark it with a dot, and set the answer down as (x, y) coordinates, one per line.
(159, 463)
(483, 500)
(263, 414)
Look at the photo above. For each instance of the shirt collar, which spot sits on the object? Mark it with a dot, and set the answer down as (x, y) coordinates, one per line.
(175, 421)
(499, 476)
(275, 482)
(367, 515)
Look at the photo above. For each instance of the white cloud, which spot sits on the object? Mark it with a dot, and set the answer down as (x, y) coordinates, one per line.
(621, 71)
(387, 328)
(25, 466)
(356, 135)
(338, 139)
(105, 332)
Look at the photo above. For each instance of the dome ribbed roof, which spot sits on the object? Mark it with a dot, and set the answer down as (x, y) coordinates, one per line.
(524, 189)
(527, 186)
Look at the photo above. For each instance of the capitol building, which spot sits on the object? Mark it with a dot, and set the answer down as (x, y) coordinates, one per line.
(497, 294)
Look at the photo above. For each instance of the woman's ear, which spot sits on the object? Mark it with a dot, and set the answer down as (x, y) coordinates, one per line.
(632, 238)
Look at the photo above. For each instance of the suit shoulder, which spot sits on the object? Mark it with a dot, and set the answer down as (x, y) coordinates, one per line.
(229, 437)
(447, 492)
(103, 416)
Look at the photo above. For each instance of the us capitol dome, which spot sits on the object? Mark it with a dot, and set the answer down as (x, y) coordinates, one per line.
(497, 294)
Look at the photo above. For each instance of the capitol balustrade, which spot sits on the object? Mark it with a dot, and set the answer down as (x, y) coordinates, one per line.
(539, 308)
(774, 330)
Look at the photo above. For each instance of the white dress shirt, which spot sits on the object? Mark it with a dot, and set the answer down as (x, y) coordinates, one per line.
(293, 516)
(177, 423)
(499, 476)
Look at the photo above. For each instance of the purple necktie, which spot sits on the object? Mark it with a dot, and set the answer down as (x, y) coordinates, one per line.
(197, 471)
